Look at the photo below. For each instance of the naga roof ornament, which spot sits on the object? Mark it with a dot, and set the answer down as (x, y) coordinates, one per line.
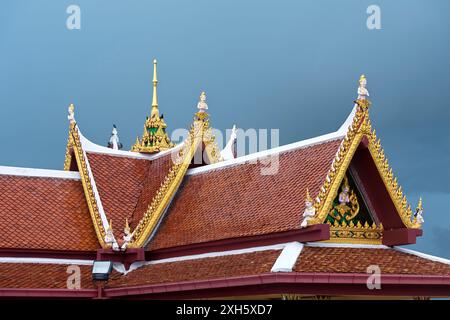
(154, 138)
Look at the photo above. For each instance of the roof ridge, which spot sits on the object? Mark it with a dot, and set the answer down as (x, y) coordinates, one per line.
(305, 143)
(39, 173)
(302, 144)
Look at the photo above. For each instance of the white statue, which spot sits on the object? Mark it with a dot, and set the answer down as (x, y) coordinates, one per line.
(418, 215)
(309, 212)
(114, 142)
(110, 239)
(362, 91)
(127, 236)
(71, 111)
(202, 106)
(344, 194)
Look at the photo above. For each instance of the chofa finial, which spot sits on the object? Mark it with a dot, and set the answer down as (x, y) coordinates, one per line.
(418, 214)
(202, 106)
(362, 91)
(71, 111)
(114, 142)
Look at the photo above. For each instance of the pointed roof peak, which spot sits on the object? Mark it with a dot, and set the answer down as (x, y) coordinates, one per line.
(154, 138)
(155, 90)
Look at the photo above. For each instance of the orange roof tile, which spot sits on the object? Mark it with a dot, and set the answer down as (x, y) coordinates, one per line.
(239, 201)
(356, 260)
(199, 269)
(44, 213)
(41, 276)
(126, 185)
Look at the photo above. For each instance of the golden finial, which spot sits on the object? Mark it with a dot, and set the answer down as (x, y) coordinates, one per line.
(308, 196)
(155, 94)
(110, 227)
(362, 78)
(420, 205)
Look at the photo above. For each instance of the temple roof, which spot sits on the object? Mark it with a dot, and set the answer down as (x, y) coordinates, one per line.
(236, 200)
(309, 269)
(167, 221)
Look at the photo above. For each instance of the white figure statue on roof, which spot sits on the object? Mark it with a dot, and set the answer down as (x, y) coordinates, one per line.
(127, 235)
(309, 212)
(71, 111)
(114, 142)
(110, 239)
(419, 212)
(202, 106)
(362, 91)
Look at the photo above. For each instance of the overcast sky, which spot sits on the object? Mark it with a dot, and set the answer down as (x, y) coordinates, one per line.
(289, 65)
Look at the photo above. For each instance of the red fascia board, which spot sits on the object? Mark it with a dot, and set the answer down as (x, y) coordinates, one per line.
(402, 236)
(312, 233)
(302, 283)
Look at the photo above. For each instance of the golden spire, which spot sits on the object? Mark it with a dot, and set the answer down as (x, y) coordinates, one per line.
(154, 138)
(155, 94)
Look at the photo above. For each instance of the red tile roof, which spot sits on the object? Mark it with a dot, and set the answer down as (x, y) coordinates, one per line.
(41, 276)
(126, 185)
(356, 260)
(239, 201)
(44, 213)
(199, 269)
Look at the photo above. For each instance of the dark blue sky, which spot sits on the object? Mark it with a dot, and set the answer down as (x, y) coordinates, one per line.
(291, 65)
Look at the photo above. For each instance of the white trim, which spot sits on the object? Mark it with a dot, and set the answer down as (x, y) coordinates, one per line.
(288, 257)
(423, 255)
(90, 146)
(266, 153)
(339, 134)
(348, 122)
(218, 254)
(46, 261)
(137, 265)
(345, 245)
(39, 173)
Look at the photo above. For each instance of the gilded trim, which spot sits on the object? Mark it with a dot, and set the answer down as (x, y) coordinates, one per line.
(74, 141)
(169, 186)
(359, 233)
(360, 127)
(68, 157)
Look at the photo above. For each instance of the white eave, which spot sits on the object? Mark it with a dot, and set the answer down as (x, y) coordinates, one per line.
(46, 261)
(39, 173)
